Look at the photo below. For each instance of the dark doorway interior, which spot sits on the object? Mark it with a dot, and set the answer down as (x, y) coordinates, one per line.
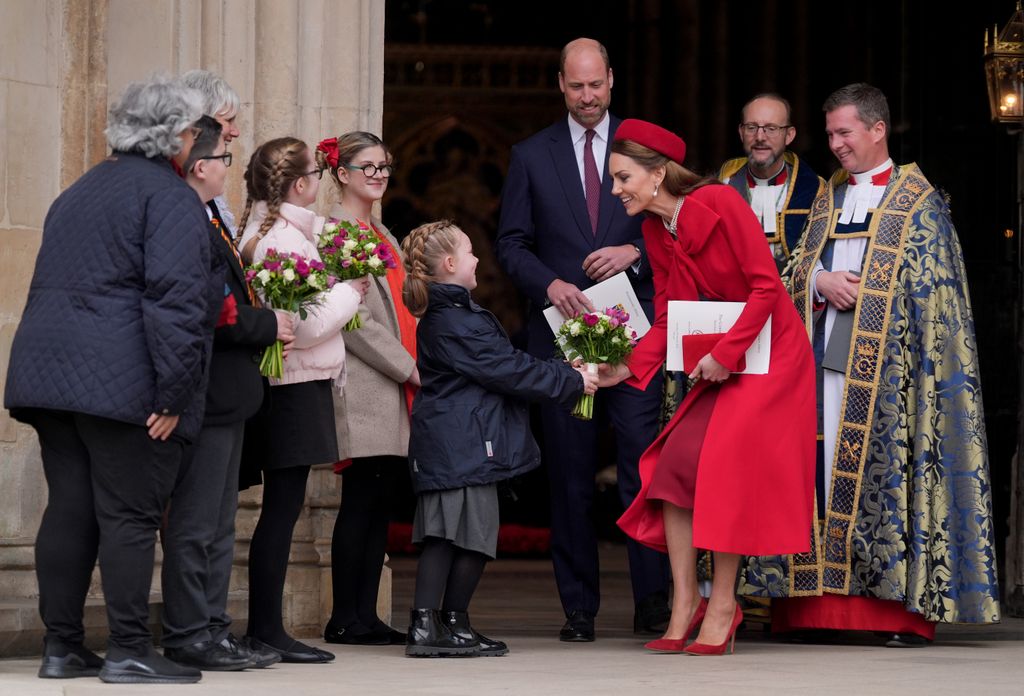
(464, 80)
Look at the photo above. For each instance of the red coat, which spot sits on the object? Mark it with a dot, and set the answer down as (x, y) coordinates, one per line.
(755, 482)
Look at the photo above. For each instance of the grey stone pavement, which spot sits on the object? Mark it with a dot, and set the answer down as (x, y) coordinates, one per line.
(517, 602)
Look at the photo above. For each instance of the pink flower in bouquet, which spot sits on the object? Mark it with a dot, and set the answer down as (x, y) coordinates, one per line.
(351, 251)
(289, 282)
(596, 337)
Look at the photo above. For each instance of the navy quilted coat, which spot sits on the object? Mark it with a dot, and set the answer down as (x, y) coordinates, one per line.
(470, 421)
(118, 320)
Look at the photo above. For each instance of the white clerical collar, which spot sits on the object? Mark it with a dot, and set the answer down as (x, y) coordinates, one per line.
(578, 132)
(864, 177)
(864, 194)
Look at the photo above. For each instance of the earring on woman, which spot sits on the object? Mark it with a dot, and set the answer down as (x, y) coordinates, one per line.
(657, 185)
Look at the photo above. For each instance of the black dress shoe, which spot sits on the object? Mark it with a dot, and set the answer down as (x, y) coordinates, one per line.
(295, 652)
(68, 660)
(208, 657)
(906, 640)
(578, 628)
(122, 667)
(257, 660)
(652, 614)
(354, 634)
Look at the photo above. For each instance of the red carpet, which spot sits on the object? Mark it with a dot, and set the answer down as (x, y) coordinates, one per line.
(513, 540)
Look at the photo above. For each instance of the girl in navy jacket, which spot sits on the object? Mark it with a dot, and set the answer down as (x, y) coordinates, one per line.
(470, 430)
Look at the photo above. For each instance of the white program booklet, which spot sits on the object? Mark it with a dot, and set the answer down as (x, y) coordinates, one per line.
(617, 291)
(686, 318)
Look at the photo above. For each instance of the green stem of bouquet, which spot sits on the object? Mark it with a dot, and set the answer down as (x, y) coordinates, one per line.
(584, 409)
(272, 364)
(354, 323)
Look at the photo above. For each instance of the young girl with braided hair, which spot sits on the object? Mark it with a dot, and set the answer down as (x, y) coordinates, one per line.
(470, 430)
(281, 180)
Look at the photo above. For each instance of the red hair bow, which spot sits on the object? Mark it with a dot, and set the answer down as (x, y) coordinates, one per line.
(329, 146)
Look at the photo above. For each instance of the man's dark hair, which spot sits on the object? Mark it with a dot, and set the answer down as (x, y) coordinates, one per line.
(206, 142)
(872, 106)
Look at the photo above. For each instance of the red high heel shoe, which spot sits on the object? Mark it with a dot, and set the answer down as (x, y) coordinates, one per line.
(696, 648)
(676, 645)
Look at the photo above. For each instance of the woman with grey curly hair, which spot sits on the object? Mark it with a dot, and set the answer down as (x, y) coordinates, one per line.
(108, 365)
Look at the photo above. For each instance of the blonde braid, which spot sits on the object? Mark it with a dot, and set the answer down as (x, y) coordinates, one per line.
(424, 248)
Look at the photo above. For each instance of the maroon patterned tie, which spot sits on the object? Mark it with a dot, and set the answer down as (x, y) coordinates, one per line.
(591, 181)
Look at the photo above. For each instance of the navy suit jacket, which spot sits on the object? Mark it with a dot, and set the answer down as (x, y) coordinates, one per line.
(544, 232)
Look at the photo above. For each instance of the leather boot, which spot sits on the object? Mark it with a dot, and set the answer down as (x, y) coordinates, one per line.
(458, 624)
(429, 637)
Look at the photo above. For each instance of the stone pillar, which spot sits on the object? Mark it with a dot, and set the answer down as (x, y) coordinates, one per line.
(308, 68)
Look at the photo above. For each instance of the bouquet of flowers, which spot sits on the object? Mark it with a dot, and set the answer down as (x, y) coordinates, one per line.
(596, 337)
(352, 251)
(289, 282)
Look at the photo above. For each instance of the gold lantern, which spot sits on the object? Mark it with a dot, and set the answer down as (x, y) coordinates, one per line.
(1004, 70)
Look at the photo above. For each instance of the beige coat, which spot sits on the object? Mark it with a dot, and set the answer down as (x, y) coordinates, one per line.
(371, 415)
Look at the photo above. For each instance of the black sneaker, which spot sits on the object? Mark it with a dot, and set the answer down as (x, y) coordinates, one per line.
(68, 660)
(122, 667)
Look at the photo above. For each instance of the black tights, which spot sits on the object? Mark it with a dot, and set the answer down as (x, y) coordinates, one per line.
(360, 538)
(447, 576)
(284, 492)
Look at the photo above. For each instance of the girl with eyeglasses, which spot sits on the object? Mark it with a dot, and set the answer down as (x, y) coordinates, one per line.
(282, 180)
(372, 414)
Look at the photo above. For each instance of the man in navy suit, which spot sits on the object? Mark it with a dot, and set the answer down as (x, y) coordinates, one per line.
(554, 240)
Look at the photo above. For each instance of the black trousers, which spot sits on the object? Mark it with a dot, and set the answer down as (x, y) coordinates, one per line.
(360, 538)
(109, 483)
(571, 456)
(199, 540)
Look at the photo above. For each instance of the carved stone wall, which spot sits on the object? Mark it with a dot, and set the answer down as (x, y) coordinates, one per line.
(310, 69)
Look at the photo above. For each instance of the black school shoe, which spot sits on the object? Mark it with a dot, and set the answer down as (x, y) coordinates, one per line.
(429, 636)
(294, 653)
(354, 634)
(258, 659)
(208, 657)
(68, 660)
(458, 623)
(393, 637)
(122, 667)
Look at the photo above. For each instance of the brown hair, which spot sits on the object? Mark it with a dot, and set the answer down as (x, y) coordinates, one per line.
(872, 106)
(350, 145)
(679, 181)
(424, 248)
(272, 170)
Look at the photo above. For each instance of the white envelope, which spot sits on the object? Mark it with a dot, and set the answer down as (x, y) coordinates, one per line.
(617, 291)
(686, 318)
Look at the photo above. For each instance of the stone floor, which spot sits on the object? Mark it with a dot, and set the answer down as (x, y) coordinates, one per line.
(516, 601)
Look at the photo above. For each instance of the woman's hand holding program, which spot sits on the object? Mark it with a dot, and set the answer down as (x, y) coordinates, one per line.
(710, 369)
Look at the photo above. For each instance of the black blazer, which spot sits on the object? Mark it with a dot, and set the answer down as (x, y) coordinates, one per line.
(544, 232)
(236, 386)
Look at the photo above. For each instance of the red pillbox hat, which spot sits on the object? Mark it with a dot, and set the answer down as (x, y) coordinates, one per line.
(652, 136)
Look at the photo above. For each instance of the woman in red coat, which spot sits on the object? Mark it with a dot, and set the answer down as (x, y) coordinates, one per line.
(733, 471)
